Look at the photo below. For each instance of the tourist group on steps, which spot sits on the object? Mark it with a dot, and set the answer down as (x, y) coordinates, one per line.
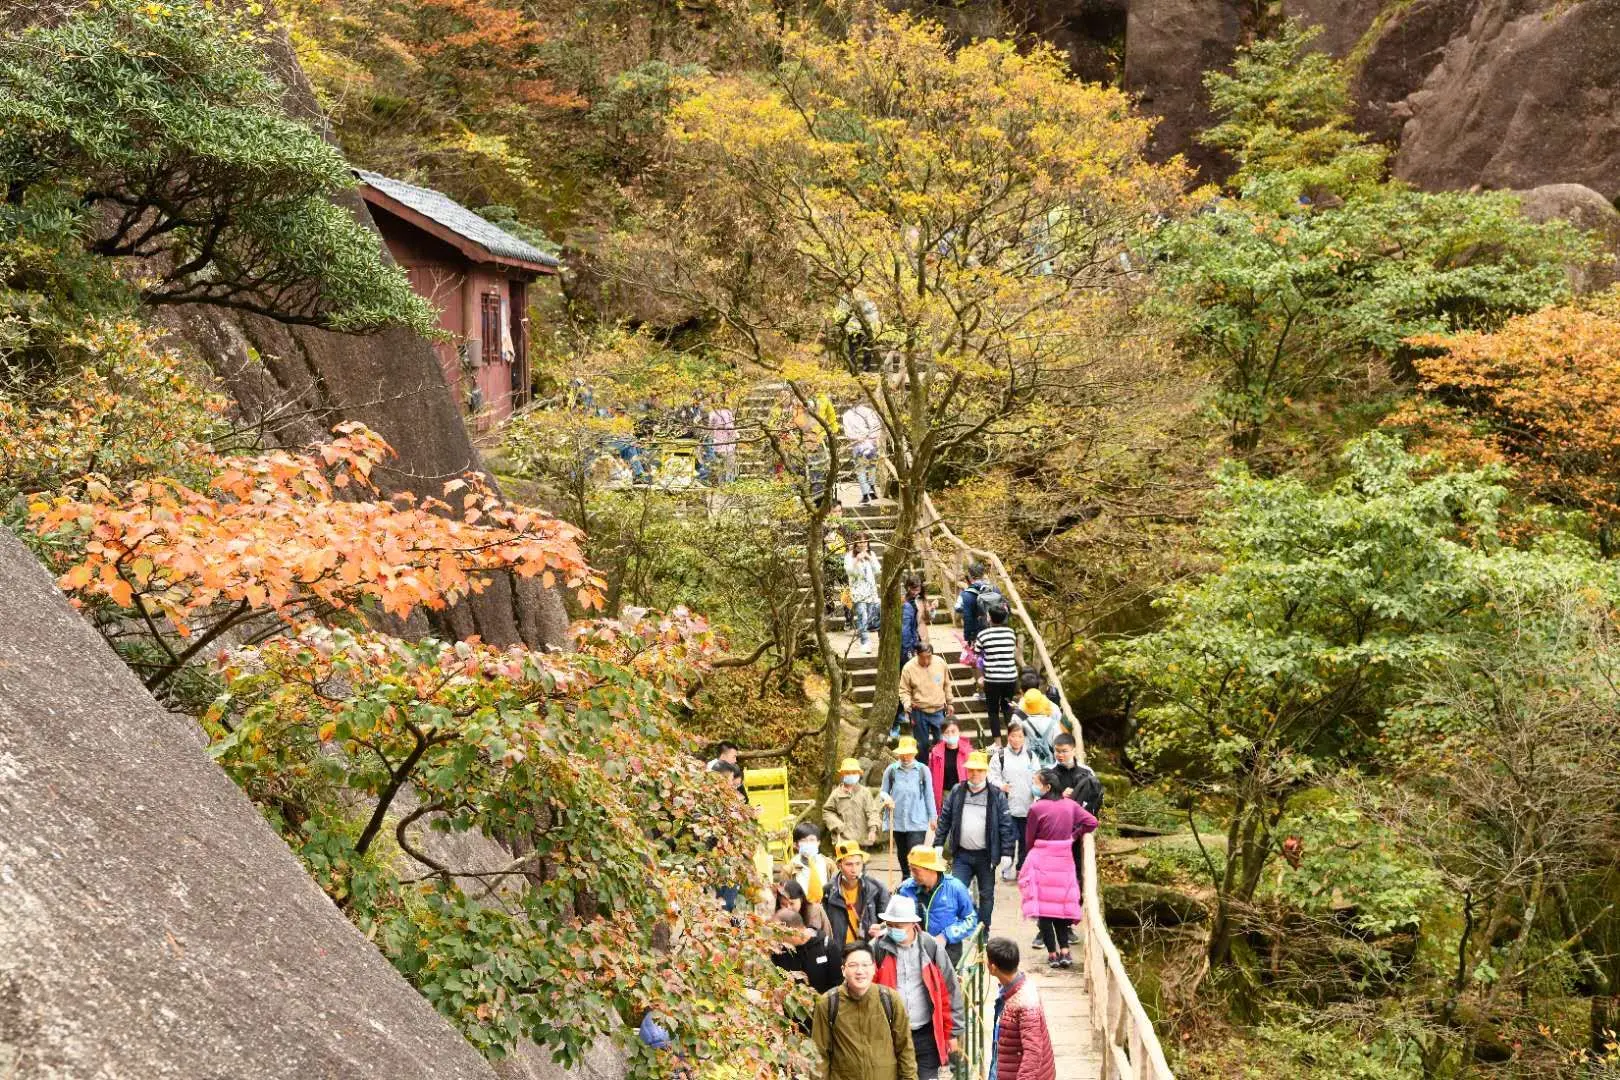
(883, 963)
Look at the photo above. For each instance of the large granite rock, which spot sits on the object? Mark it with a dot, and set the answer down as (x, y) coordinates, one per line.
(1494, 93)
(1529, 94)
(152, 924)
(1169, 45)
(1585, 208)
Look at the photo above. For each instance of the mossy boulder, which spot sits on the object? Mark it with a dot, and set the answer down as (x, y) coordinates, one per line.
(1137, 904)
(1115, 787)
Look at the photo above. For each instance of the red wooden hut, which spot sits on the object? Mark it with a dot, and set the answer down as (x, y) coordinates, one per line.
(477, 275)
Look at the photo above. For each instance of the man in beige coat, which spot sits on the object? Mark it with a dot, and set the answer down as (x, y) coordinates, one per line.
(852, 812)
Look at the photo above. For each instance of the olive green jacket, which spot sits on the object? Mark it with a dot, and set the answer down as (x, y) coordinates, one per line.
(853, 813)
(867, 1045)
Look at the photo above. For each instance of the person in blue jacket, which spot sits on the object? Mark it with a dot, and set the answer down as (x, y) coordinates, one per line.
(908, 808)
(911, 619)
(947, 908)
(967, 602)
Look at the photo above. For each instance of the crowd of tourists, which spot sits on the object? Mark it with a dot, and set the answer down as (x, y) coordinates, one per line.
(884, 961)
(958, 817)
(655, 442)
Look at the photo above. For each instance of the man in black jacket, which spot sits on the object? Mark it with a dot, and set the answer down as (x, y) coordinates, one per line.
(977, 830)
(854, 900)
(1076, 781)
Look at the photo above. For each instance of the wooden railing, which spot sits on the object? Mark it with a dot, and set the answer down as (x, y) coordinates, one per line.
(1130, 1047)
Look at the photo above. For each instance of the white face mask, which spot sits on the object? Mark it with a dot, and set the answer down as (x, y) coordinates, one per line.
(976, 785)
(952, 740)
(852, 780)
(808, 848)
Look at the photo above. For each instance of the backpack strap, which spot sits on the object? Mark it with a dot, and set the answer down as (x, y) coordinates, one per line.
(832, 1026)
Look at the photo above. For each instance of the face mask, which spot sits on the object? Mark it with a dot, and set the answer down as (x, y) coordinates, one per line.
(808, 848)
(975, 785)
(1040, 792)
(852, 780)
(898, 936)
(951, 741)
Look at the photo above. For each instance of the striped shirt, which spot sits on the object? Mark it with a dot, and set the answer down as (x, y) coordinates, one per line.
(999, 646)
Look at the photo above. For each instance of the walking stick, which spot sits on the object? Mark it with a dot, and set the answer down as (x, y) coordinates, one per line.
(894, 863)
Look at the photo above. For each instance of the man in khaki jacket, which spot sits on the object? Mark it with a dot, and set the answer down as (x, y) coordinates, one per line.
(852, 812)
(925, 694)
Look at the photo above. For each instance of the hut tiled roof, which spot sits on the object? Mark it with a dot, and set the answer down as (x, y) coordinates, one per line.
(450, 214)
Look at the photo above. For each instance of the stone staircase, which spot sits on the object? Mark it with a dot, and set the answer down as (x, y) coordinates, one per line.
(878, 520)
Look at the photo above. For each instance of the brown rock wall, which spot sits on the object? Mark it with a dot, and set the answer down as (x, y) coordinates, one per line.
(152, 924)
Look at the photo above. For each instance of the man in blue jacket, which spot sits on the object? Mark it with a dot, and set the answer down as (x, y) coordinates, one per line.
(911, 624)
(946, 907)
(977, 829)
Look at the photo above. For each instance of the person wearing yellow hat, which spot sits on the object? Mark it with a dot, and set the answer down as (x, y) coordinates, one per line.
(854, 899)
(851, 812)
(947, 909)
(976, 828)
(909, 801)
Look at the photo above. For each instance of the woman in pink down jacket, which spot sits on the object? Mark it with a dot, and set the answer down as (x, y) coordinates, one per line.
(1047, 883)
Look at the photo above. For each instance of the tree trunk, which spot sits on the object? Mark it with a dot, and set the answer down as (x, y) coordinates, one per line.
(1220, 927)
(896, 561)
(815, 544)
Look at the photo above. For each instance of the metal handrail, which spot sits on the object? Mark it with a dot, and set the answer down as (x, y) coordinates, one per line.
(1130, 1046)
(974, 977)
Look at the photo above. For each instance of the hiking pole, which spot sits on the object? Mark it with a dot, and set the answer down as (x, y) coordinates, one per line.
(894, 863)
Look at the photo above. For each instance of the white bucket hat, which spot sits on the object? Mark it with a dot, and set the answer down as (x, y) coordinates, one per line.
(901, 909)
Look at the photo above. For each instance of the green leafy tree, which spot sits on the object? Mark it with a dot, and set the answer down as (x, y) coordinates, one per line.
(1316, 267)
(598, 905)
(1285, 121)
(151, 133)
(1293, 656)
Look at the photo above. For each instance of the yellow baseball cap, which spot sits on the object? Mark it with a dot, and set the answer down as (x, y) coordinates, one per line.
(847, 849)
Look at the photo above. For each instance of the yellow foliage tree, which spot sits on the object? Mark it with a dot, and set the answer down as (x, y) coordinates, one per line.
(952, 221)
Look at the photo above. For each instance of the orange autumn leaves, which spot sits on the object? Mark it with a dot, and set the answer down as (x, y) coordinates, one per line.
(276, 533)
(1542, 393)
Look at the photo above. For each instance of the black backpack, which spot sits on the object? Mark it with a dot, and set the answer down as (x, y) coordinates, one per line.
(989, 598)
(885, 995)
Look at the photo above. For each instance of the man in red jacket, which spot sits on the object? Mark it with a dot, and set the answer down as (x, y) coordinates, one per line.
(917, 966)
(1023, 1044)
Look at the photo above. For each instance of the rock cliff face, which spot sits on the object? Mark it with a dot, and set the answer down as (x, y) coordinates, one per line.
(1169, 44)
(152, 924)
(1527, 94)
(1496, 93)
